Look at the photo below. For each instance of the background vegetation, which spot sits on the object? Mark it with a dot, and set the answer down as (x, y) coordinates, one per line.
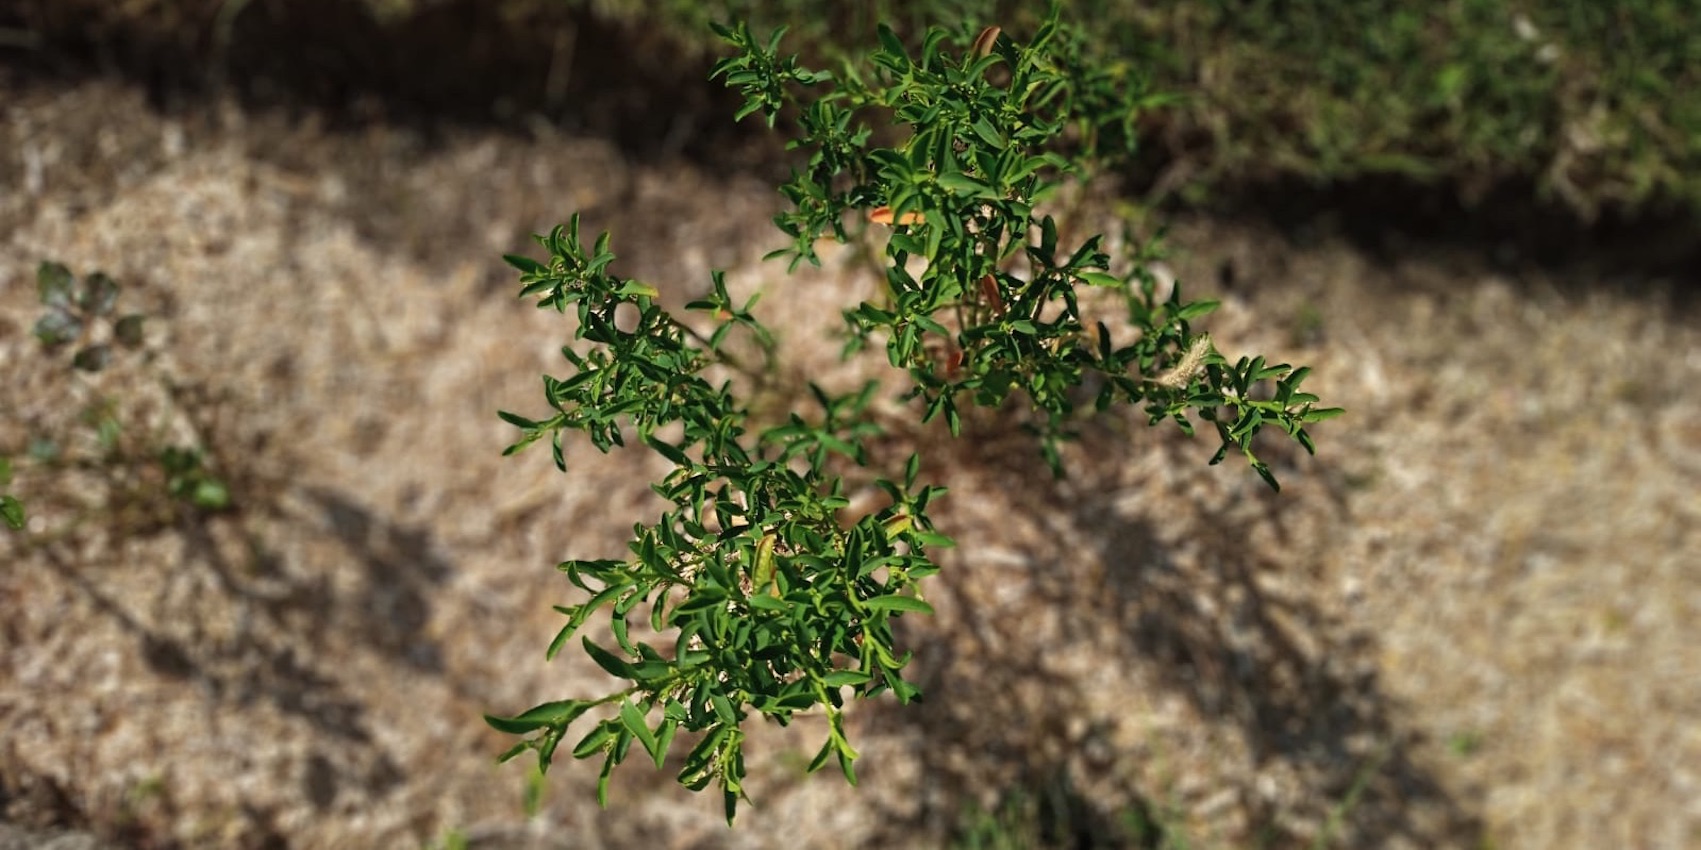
(1586, 106)
(1592, 105)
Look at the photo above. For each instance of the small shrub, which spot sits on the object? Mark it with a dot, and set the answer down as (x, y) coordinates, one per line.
(769, 601)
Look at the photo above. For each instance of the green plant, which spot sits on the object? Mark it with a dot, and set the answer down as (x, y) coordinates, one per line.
(73, 310)
(453, 839)
(11, 510)
(1052, 814)
(1464, 743)
(762, 598)
(188, 479)
(80, 316)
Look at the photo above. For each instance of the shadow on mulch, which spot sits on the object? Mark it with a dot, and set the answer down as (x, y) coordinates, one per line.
(507, 66)
(460, 62)
(288, 619)
(1275, 670)
(1390, 219)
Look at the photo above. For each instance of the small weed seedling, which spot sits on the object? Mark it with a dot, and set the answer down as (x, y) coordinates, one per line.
(80, 315)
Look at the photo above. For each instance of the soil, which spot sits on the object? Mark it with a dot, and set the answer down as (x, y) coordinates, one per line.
(1471, 620)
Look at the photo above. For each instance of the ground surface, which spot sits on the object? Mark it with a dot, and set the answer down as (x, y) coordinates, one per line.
(1472, 621)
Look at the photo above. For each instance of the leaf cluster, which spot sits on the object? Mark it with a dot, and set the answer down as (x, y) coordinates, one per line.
(82, 314)
(997, 308)
(770, 603)
(72, 310)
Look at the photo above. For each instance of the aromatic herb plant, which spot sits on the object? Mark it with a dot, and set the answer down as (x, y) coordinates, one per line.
(755, 594)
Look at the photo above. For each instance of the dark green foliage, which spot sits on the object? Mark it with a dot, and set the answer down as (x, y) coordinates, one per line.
(754, 594)
(1597, 104)
(72, 309)
(11, 510)
(771, 606)
(188, 479)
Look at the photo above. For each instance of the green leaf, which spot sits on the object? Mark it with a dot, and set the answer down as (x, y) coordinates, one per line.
(774, 38)
(671, 452)
(516, 420)
(93, 358)
(53, 283)
(846, 756)
(962, 184)
(128, 331)
(558, 713)
(578, 614)
(1305, 441)
(98, 295)
(525, 264)
(664, 737)
(509, 754)
(827, 750)
(545, 745)
(210, 495)
(57, 328)
(633, 288)
(894, 48)
(903, 690)
(633, 720)
(898, 603)
(608, 763)
(561, 637)
(614, 664)
(1195, 309)
(841, 678)
(1269, 477)
(987, 133)
(764, 602)
(620, 628)
(593, 741)
(12, 511)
